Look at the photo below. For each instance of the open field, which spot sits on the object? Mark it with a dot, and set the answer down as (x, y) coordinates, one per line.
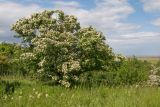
(153, 60)
(32, 94)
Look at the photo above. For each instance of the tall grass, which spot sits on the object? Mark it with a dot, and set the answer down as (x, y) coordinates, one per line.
(32, 94)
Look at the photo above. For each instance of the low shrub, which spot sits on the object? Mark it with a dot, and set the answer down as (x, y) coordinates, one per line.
(132, 71)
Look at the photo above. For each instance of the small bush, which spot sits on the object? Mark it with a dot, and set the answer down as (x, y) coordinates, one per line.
(9, 59)
(132, 71)
(8, 87)
(4, 65)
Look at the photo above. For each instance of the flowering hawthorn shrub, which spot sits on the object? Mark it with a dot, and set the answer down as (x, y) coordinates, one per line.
(61, 48)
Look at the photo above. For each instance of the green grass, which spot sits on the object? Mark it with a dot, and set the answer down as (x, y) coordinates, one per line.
(34, 94)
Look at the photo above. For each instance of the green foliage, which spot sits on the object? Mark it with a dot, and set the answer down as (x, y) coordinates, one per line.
(93, 52)
(60, 50)
(9, 55)
(134, 71)
(131, 71)
(158, 63)
(8, 87)
(3, 65)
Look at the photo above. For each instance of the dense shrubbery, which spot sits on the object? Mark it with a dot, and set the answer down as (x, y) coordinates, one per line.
(9, 58)
(4, 65)
(132, 71)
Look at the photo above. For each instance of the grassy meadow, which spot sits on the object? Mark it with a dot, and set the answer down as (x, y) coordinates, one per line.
(32, 93)
(35, 94)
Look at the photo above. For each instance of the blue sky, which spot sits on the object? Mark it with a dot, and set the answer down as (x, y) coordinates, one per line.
(131, 27)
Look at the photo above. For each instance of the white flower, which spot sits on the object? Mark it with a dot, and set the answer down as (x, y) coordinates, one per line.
(54, 78)
(40, 70)
(65, 83)
(75, 65)
(64, 68)
(5, 97)
(19, 97)
(46, 95)
(30, 96)
(42, 62)
(39, 95)
(36, 92)
(20, 93)
(27, 56)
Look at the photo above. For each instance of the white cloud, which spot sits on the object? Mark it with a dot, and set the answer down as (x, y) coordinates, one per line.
(140, 43)
(107, 16)
(1, 31)
(10, 11)
(71, 4)
(136, 38)
(151, 5)
(156, 22)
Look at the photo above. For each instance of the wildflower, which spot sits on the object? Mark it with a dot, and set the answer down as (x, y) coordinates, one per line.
(5, 97)
(41, 63)
(54, 78)
(20, 93)
(40, 70)
(46, 95)
(19, 97)
(36, 92)
(76, 78)
(34, 89)
(39, 95)
(137, 86)
(65, 83)
(30, 96)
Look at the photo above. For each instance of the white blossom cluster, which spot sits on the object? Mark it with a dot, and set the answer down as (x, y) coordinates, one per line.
(70, 66)
(119, 58)
(41, 63)
(65, 83)
(28, 56)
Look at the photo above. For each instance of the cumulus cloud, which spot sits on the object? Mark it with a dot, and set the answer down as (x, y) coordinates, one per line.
(156, 22)
(136, 38)
(151, 5)
(71, 4)
(10, 12)
(106, 16)
(139, 43)
(1, 31)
